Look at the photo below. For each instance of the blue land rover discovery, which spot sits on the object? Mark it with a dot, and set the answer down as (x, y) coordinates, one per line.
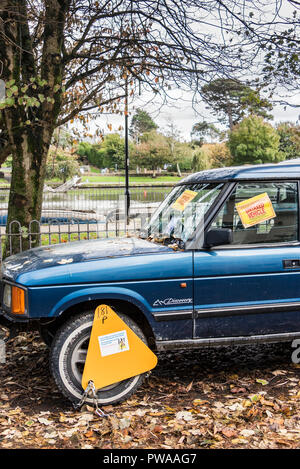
(218, 263)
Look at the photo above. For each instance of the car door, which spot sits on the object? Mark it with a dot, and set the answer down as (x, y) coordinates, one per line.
(252, 286)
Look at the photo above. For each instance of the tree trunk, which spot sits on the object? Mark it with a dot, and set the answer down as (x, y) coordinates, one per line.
(27, 183)
(178, 170)
(230, 117)
(30, 127)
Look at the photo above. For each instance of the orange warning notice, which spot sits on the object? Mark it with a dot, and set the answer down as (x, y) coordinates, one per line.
(184, 200)
(255, 210)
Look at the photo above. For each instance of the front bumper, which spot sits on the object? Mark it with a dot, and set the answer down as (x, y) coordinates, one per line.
(9, 318)
(4, 321)
(15, 325)
(9, 324)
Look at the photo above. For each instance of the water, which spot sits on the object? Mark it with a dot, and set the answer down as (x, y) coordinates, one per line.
(93, 203)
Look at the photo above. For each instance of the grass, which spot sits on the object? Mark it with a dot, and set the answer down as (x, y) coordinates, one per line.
(64, 238)
(55, 238)
(132, 180)
(104, 179)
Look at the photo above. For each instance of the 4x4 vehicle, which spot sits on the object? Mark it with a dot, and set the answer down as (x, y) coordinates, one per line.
(218, 263)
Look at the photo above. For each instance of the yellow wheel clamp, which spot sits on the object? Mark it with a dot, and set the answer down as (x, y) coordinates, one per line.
(115, 352)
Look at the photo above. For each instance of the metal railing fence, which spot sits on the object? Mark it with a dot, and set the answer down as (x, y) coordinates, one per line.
(91, 204)
(15, 237)
(80, 214)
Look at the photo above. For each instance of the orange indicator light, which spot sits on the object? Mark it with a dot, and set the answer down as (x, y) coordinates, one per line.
(18, 301)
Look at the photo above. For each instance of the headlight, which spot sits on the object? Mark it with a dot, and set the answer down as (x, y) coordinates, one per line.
(14, 299)
(7, 296)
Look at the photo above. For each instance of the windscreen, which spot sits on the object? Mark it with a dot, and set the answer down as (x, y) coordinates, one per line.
(182, 211)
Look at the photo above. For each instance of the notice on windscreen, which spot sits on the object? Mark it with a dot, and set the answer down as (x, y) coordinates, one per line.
(255, 210)
(186, 197)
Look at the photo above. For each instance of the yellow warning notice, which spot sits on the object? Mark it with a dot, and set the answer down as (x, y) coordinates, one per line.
(255, 210)
(184, 200)
(115, 352)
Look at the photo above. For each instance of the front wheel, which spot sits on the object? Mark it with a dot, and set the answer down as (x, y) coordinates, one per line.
(68, 355)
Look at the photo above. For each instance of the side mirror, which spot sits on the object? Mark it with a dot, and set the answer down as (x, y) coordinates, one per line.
(218, 237)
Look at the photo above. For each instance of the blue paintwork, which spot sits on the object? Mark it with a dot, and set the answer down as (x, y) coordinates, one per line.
(149, 276)
(245, 277)
(241, 173)
(66, 255)
(129, 269)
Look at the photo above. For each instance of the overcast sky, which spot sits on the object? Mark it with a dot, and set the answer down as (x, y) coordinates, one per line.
(180, 112)
(183, 114)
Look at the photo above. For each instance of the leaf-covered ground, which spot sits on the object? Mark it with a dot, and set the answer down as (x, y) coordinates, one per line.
(234, 397)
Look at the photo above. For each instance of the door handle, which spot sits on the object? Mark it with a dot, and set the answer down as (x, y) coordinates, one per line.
(291, 263)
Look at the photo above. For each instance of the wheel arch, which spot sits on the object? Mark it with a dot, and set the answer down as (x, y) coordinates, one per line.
(122, 305)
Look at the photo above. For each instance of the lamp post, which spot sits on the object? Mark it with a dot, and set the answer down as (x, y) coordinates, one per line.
(127, 193)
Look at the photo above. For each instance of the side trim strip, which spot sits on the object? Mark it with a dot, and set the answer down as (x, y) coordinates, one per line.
(212, 342)
(172, 315)
(248, 309)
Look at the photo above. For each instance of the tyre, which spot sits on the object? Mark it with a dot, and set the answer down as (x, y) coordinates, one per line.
(67, 359)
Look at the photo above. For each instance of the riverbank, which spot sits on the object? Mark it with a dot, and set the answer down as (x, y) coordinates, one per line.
(104, 181)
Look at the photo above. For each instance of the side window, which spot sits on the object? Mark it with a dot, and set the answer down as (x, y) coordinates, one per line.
(261, 212)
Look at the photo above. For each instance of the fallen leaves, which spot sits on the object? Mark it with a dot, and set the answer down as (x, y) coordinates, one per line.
(245, 432)
(44, 421)
(263, 382)
(189, 387)
(227, 398)
(199, 402)
(228, 432)
(184, 415)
